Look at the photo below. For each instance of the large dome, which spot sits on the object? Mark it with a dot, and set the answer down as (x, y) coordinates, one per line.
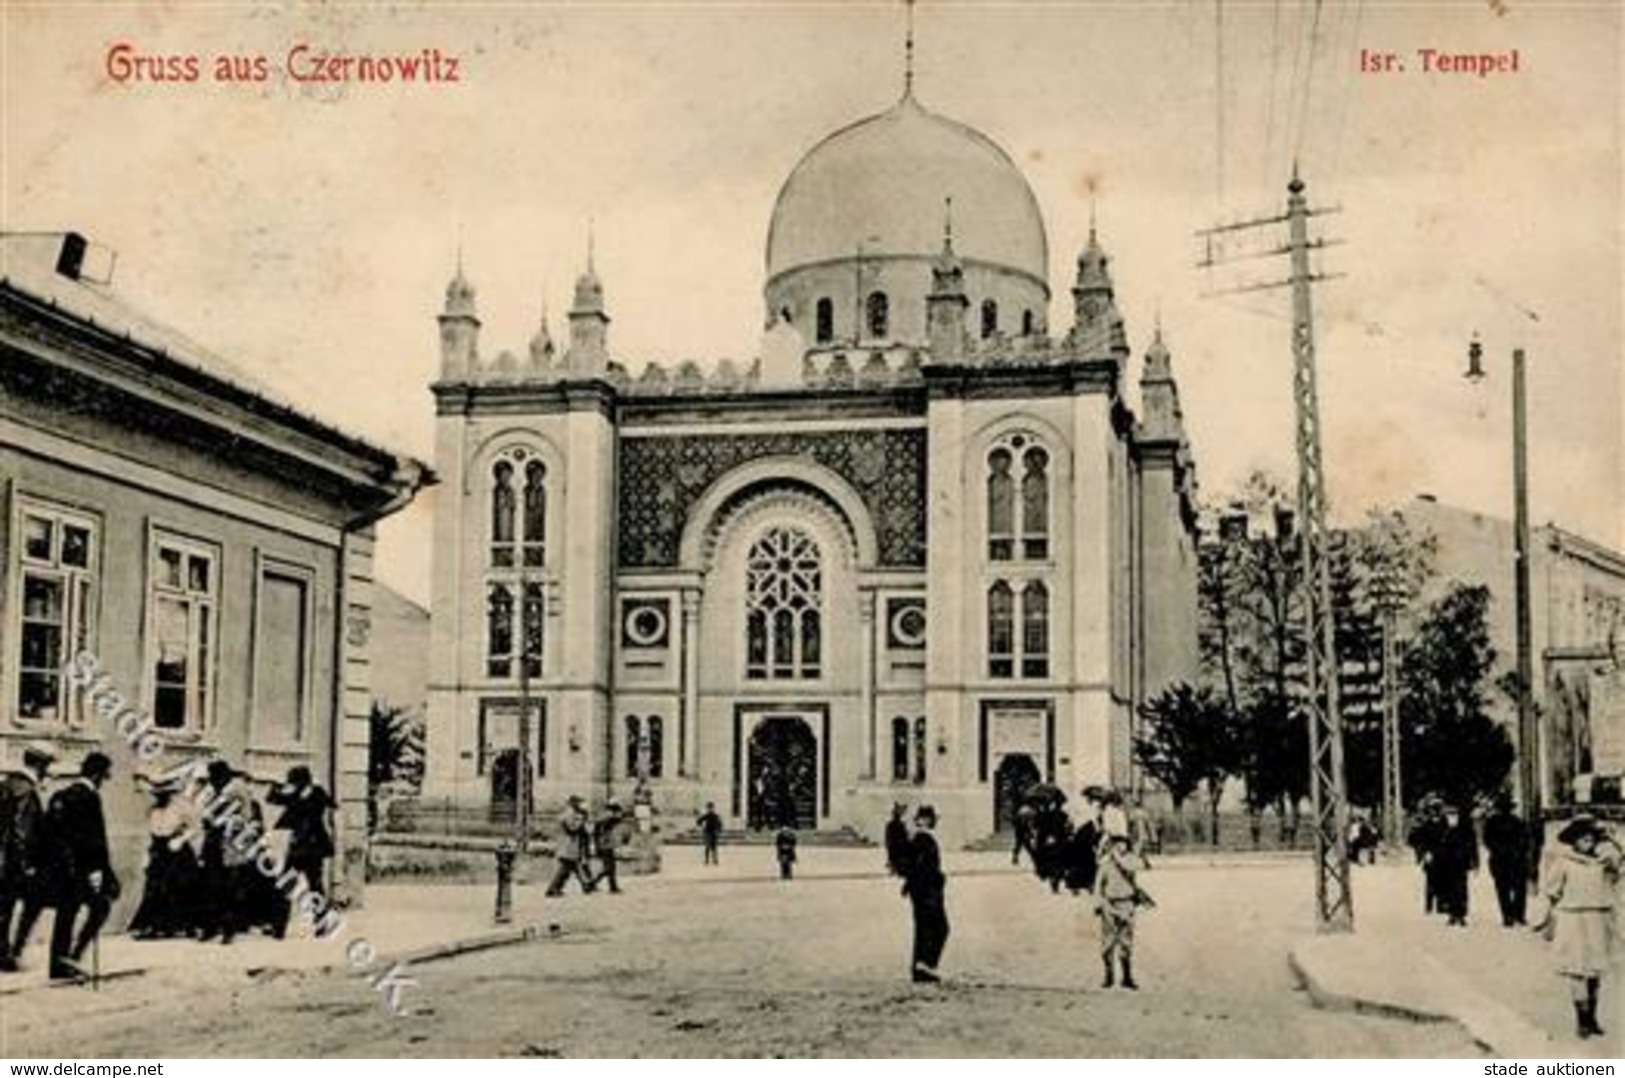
(880, 183)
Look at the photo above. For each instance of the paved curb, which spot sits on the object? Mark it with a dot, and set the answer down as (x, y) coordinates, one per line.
(1492, 1025)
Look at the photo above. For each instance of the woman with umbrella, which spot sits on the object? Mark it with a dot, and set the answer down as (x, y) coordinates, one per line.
(1581, 890)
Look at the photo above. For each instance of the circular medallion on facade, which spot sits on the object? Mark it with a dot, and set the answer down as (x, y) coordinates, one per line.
(908, 625)
(646, 626)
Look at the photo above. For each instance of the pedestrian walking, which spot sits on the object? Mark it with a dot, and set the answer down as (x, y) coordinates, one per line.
(1118, 898)
(1581, 891)
(1455, 858)
(897, 845)
(608, 836)
(306, 808)
(1507, 841)
(710, 825)
(784, 846)
(926, 888)
(1023, 824)
(75, 845)
(573, 846)
(21, 814)
(1426, 835)
(1082, 859)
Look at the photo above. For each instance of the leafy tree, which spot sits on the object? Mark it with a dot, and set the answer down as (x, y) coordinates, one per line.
(1189, 741)
(395, 753)
(1452, 747)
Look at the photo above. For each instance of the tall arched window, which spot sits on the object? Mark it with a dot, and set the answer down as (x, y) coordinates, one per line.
(499, 631)
(824, 317)
(919, 749)
(656, 735)
(783, 597)
(516, 603)
(1018, 534)
(1029, 324)
(1001, 630)
(990, 318)
(1001, 506)
(502, 514)
(899, 749)
(878, 308)
(634, 747)
(1035, 505)
(1035, 630)
(535, 535)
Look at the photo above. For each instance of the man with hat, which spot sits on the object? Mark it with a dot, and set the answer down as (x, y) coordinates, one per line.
(82, 867)
(20, 813)
(570, 854)
(925, 886)
(608, 833)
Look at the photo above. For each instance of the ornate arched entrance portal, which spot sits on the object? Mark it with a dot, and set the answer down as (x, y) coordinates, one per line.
(782, 774)
(1017, 773)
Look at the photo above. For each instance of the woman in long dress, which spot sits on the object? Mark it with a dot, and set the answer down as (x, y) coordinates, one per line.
(168, 900)
(1580, 887)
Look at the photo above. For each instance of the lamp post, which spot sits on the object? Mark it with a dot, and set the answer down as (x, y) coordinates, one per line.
(1528, 732)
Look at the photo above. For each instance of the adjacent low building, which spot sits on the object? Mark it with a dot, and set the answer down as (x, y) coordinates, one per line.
(209, 544)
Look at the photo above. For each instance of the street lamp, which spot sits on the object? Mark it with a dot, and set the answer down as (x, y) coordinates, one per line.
(1528, 732)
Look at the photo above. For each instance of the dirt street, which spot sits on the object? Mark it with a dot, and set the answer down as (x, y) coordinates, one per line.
(814, 967)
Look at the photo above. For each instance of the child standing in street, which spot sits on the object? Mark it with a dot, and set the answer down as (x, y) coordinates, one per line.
(785, 843)
(1118, 899)
(1581, 891)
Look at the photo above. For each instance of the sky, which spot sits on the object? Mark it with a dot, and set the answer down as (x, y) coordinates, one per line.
(308, 231)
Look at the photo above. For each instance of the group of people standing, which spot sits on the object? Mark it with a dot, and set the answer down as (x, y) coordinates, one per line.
(584, 838)
(200, 883)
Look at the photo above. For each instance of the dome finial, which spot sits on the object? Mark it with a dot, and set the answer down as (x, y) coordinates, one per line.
(948, 223)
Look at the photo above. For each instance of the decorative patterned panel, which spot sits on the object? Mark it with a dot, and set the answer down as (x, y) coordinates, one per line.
(662, 477)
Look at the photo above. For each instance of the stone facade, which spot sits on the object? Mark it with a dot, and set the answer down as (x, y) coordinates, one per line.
(904, 560)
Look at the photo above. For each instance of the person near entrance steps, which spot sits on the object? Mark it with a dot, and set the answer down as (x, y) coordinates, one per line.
(784, 846)
(925, 887)
(710, 825)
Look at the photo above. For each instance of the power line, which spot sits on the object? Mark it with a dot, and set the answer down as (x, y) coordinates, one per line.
(1269, 99)
(1308, 83)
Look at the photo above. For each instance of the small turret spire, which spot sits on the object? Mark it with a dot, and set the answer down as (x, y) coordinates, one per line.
(908, 53)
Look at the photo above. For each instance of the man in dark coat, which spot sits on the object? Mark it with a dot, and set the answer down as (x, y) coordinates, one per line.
(1425, 838)
(305, 807)
(710, 825)
(82, 868)
(21, 812)
(897, 844)
(925, 886)
(608, 835)
(1507, 841)
(1455, 857)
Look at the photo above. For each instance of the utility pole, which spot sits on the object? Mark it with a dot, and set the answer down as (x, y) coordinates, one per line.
(1393, 789)
(1528, 729)
(1334, 906)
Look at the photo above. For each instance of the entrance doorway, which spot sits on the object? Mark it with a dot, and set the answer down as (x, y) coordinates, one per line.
(782, 774)
(1016, 774)
(505, 786)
